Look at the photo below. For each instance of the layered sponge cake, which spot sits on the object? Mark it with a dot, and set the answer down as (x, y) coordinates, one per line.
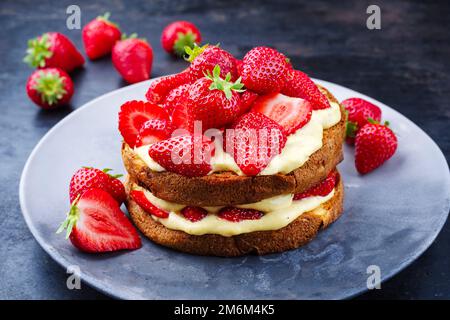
(260, 174)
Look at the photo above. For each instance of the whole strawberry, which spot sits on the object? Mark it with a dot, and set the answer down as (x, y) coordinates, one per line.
(178, 35)
(99, 36)
(133, 57)
(204, 59)
(87, 178)
(53, 50)
(374, 144)
(160, 88)
(49, 88)
(264, 70)
(359, 112)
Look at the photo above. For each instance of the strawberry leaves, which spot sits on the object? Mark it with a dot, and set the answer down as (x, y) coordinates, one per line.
(224, 85)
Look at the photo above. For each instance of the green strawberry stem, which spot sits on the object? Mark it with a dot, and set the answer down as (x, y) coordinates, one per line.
(50, 85)
(224, 85)
(38, 51)
(131, 36)
(351, 129)
(184, 40)
(194, 51)
(71, 220)
(115, 176)
(105, 17)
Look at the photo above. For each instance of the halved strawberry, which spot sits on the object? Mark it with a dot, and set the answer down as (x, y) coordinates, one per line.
(132, 116)
(95, 223)
(194, 214)
(322, 189)
(142, 201)
(237, 214)
(290, 113)
(152, 131)
(159, 88)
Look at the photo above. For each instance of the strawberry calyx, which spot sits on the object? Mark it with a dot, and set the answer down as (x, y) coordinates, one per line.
(225, 85)
(107, 170)
(50, 85)
(134, 35)
(183, 41)
(194, 51)
(38, 51)
(71, 220)
(105, 18)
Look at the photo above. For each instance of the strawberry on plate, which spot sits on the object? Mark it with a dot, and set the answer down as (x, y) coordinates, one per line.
(264, 70)
(144, 203)
(299, 85)
(290, 113)
(160, 88)
(87, 178)
(154, 130)
(176, 97)
(99, 36)
(53, 50)
(132, 116)
(374, 145)
(194, 214)
(247, 99)
(187, 155)
(321, 189)
(133, 58)
(359, 112)
(178, 35)
(238, 214)
(254, 141)
(95, 223)
(49, 87)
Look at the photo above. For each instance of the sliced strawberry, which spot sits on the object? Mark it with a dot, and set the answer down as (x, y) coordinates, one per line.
(185, 154)
(132, 116)
(237, 214)
(159, 88)
(290, 113)
(142, 201)
(194, 214)
(95, 223)
(247, 99)
(152, 131)
(322, 189)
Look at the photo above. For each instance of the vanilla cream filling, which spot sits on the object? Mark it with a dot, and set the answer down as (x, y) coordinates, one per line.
(279, 212)
(299, 147)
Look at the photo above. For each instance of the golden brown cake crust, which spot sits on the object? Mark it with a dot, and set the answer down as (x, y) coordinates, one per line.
(294, 235)
(227, 188)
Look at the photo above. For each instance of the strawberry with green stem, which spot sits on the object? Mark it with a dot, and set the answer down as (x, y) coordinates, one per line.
(178, 35)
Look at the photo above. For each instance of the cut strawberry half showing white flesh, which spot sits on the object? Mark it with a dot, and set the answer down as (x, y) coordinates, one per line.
(290, 113)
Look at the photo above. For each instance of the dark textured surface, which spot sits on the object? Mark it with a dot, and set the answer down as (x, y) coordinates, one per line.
(404, 65)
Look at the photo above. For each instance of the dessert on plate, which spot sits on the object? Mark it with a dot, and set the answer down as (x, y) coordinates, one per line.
(233, 157)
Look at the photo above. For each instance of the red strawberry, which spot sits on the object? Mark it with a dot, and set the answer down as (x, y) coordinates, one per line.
(132, 116)
(264, 70)
(322, 189)
(133, 58)
(194, 214)
(239, 64)
(374, 145)
(95, 223)
(144, 203)
(160, 88)
(183, 117)
(290, 113)
(176, 97)
(204, 59)
(215, 101)
(237, 214)
(152, 131)
(247, 99)
(50, 87)
(186, 155)
(99, 36)
(255, 140)
(359, 111)
(299, 85)
(87, 178)
(53, 50)
(178, 35)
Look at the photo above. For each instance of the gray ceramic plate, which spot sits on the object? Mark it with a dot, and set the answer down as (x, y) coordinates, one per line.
(391, 217)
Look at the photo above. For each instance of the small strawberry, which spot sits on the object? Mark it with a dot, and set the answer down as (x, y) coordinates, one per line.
(133, 58)
(299, 85)
(204, 59)
(176, 97)
(254, 141)
(264, 70)
(185, 154)
(49, 88)
(374, 144)
(194, 214)
(99, 36)
(144, 203)
(95, 223)
(321, 189)
(53, 50)
(359, 111)
(237, 214)
(247, 99)
(160, 88)
(132, 116)
(178, 35)
(87, 178)
(290, 113)
(152, 131)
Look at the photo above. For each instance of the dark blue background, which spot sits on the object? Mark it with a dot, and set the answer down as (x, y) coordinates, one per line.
(405, 65)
